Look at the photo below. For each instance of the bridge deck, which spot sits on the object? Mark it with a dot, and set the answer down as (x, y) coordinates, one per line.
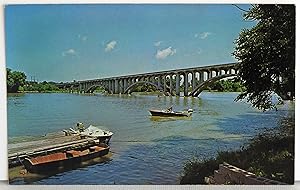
(218, 66)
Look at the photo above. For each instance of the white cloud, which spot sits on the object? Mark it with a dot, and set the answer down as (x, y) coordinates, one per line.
(82, 38)
(157, 43)
(110, 46)
(69, 52)
(202, 35)
(162, 54)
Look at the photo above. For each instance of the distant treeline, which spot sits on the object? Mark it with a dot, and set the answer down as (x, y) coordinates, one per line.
(39, 87)
(229, 85)
(16, 82)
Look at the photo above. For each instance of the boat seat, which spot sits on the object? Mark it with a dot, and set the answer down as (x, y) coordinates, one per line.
(74, 153)
(97, 148)
(85, 152)
(48, 158)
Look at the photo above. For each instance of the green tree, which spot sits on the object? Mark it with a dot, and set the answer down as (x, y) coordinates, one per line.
(41, 87)
(267, 55)
(15, 79)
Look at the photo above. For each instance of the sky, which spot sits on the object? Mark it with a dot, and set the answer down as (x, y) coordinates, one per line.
(76, 42)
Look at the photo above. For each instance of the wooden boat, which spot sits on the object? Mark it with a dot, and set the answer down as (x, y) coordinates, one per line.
(170, 113)
(56, 161)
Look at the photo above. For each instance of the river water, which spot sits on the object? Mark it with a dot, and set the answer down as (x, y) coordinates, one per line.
(144, 150)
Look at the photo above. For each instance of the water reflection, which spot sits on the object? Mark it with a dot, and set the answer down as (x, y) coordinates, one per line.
(15, 94)
(165, 119)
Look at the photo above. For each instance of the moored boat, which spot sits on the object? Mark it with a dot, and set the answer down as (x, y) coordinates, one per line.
(92, 131)
(55, 161)
(170, 113)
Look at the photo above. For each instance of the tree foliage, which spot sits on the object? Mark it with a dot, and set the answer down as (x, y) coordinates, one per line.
(267, 55)
(230, 85)
(40, 87)
(14, 80)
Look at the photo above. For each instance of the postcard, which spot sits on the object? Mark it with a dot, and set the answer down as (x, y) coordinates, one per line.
(150, 94)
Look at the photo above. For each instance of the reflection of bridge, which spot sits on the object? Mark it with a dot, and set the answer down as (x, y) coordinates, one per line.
(193, 80)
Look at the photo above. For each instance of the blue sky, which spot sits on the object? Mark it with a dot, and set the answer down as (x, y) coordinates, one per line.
(77, 42)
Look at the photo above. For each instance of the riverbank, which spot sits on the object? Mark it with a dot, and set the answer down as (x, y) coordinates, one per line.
(34, 92)
(146, 93)
(270, 154)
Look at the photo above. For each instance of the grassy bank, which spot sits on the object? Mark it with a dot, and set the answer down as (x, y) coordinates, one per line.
(270, 154)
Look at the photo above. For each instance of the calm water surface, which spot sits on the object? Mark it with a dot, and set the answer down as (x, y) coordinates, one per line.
(145, 150)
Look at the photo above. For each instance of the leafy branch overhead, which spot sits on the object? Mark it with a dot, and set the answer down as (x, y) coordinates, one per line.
(267, 55)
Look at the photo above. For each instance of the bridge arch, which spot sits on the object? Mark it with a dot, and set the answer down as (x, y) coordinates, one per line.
(142, 83)
(92, 88)
(207, 83)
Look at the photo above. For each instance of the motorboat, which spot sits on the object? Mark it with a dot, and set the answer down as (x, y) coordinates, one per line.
(69, 158)
(92, 132)
(170, 113)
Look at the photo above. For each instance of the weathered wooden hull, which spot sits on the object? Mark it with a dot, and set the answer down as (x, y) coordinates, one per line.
(169, 114)
(60, 164)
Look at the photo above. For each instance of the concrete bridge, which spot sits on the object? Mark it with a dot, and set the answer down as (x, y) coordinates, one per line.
(190, 81)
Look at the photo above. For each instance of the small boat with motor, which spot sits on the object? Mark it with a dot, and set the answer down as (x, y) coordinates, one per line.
(69, 158)
(92, 132)
(170, 113)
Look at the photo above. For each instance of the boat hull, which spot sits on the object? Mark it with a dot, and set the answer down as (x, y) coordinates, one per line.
(62, 164)
(94, 132)
(169, 114)
(102, 139)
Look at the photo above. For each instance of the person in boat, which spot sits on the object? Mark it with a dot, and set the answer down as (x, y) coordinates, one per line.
(170, 109)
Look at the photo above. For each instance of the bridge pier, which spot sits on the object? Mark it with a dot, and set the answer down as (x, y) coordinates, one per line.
(193, 80)
(109, 86)
(125, 84)
(112, 87)
(80, 88)
(116, 90)
(165, 83)
(121, 86)
(186, 84)
(159, 80)
(209, 74)
(201, 77)
(177, 84)
(171, 84)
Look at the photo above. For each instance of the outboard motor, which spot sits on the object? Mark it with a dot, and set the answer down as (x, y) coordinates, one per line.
(80, 127)
(190, 110)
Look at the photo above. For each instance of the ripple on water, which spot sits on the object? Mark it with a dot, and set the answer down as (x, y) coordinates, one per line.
(144, 150)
